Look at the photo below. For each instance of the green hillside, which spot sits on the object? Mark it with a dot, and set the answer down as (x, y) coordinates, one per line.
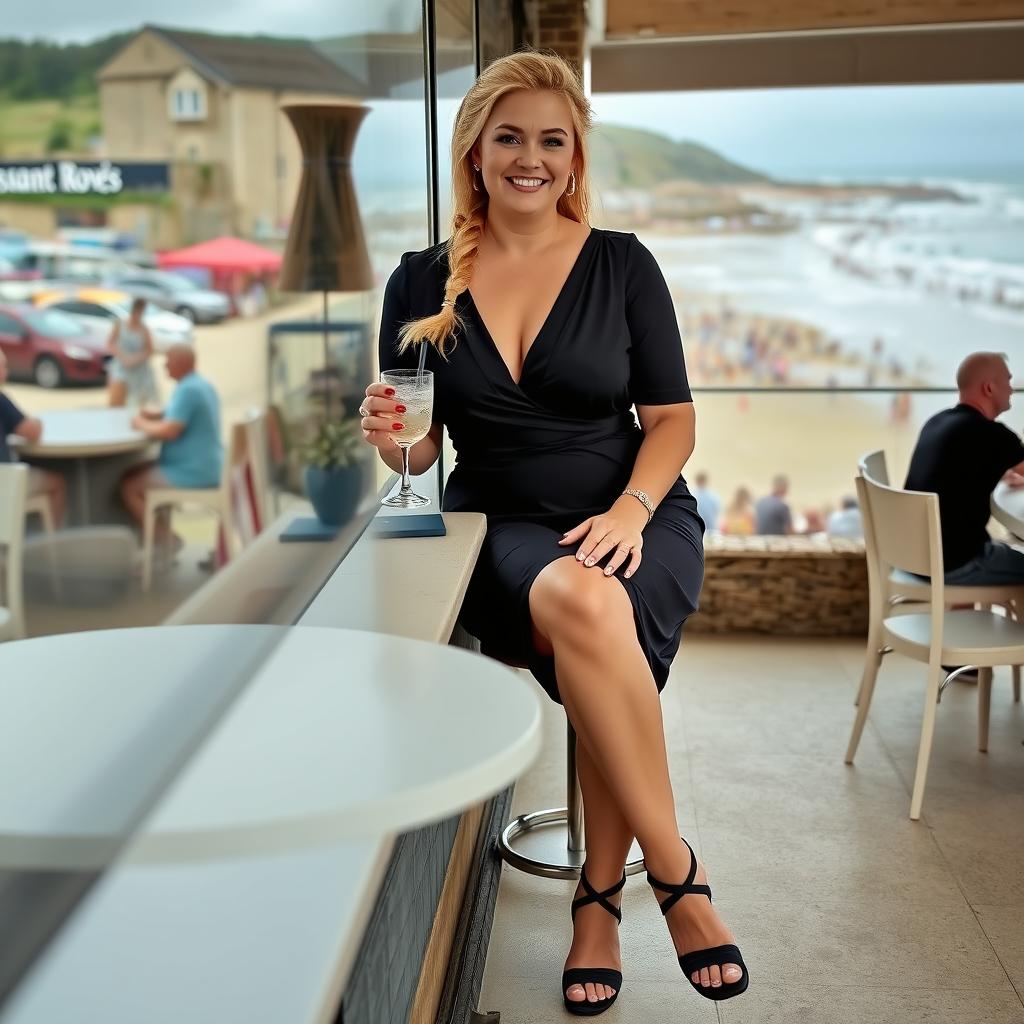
(624, 157)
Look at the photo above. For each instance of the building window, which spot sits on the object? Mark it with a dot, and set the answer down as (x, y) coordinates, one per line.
(188, 105)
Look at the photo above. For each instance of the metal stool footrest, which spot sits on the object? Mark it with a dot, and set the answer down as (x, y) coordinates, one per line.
(538, 843)
(551, 843)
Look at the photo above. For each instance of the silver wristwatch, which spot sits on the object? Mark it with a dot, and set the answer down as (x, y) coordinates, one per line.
(644, 500)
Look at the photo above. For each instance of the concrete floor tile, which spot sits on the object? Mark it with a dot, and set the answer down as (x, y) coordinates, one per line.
(833, 1004)
(795, 792)
(871, 942)
(1004, 926)
(806, 727)
(648, 1002)
(987, 865)
(836, 866)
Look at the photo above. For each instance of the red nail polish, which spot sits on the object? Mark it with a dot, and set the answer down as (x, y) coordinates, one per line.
(397, 426)
(399, 408)
(389, 391)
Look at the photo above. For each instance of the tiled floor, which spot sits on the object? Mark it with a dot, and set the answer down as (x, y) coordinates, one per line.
(847, 912)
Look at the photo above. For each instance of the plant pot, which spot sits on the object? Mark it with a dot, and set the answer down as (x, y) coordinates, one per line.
(334, 493)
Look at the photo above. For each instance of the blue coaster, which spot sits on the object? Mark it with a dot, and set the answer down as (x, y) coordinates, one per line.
(307, 528)
(423, 524)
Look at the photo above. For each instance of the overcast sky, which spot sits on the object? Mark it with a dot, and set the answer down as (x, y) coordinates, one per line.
(79, 21)
(893, 129)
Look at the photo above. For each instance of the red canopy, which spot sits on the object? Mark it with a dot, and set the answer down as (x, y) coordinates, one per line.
(231, 255)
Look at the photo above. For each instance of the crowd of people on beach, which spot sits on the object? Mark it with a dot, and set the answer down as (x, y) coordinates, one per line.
(734, 349)
(772, 514)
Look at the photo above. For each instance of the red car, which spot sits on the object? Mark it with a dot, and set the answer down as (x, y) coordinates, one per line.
(50, 348)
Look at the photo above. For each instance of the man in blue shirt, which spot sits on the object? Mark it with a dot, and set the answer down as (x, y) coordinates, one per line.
(191, 455)
(13, 422)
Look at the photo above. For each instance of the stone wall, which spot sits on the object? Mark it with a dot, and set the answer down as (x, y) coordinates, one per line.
(786, 586)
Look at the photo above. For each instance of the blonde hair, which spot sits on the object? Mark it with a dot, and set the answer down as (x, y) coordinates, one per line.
(525, 70)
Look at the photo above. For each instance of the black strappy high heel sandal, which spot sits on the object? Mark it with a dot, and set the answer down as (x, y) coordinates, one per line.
(700, 958)
(594, 975)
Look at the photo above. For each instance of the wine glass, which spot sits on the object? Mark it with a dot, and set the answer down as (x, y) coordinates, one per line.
(415, 390)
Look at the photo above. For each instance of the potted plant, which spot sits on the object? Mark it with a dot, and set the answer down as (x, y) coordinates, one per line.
(335, 464)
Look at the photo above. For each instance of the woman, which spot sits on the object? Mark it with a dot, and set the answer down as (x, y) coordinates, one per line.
(542, 334)
(739, 518)
(130, 377)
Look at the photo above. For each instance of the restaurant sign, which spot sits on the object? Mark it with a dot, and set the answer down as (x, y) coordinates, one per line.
(81, 178)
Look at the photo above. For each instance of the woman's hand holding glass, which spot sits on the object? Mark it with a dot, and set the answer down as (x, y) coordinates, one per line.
(382, 417)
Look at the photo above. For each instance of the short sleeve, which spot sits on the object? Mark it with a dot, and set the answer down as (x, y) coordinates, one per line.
(396, 312)
(657, 369)
(182, 406)
(10, 416)
(1010, 448)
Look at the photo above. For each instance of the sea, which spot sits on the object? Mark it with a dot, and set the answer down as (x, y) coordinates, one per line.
(926, 282)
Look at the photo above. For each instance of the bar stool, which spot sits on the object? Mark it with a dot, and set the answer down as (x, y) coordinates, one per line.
(551, 842)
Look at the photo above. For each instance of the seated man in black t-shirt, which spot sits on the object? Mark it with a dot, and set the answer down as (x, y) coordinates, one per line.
(14, 421)
(961, 455)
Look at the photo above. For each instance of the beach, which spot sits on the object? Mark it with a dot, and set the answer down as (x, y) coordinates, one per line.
(818, 325)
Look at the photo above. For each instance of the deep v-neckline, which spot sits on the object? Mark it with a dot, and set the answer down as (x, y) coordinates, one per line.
(492, 345)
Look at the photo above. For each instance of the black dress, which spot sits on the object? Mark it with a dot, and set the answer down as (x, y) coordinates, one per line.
(540, 456)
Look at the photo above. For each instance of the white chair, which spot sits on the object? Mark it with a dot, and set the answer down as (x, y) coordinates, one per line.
(906, 534)
(246, 447)
(903, 587)
(874, 467)
(13, 496)
(39, 505)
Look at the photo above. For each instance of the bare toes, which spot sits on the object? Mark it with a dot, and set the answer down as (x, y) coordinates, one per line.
(731, 973)
(591, 992)
(576, 993)
(716, 976)
(705, 977)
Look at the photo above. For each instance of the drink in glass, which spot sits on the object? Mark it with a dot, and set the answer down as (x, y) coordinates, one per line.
(415, 390)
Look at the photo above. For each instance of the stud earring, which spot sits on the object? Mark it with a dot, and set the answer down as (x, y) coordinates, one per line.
(572, 188)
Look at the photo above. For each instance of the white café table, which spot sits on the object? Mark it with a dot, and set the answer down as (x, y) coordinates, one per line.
(339, 733)
(79, 435)
(317, 735)
(1008, 508)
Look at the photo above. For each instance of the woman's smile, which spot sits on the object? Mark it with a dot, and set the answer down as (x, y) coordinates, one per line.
(526, 183)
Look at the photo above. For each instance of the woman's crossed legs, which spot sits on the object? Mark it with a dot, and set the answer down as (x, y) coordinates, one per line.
(585, 620)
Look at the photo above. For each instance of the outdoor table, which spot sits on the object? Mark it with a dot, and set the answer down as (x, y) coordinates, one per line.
(80, 438)
(1008, 508)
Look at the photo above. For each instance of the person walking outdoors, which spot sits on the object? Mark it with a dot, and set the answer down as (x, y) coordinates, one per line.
(543, 333)
(130, 378)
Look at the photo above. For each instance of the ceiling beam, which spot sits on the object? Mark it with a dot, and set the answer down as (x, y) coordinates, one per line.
(625, 19)
(952, 54)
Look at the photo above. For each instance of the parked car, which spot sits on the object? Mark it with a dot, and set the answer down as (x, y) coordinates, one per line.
(97, 308)
(178, 294)
(50, 348)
